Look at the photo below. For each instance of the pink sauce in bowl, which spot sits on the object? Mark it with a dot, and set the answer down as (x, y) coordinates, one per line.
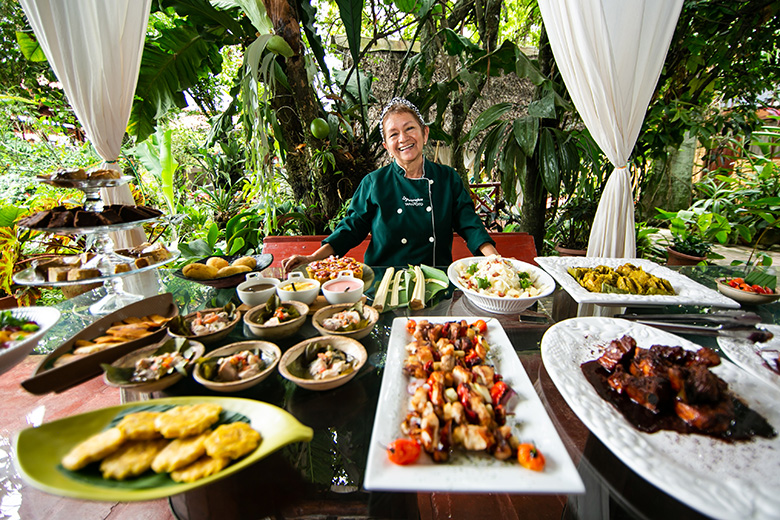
(342, 286)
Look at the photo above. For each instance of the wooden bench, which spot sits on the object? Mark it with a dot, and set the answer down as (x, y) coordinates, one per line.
(511, 245)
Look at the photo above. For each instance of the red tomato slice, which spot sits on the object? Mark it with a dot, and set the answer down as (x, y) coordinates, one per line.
(480, 325)
(529, 457)
(403, 451)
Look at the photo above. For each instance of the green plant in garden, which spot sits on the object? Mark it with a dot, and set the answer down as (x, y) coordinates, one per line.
(572, 226)
(156, 154)
(646, 244)
(693, 231)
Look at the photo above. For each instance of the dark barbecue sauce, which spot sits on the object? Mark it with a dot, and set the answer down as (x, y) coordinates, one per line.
(747, 424)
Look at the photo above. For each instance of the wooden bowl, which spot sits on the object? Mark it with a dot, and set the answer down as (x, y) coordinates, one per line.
(269, 352)
(272, 332)
(326, 312)
(212, 337)
(160, 384)
(348, 345)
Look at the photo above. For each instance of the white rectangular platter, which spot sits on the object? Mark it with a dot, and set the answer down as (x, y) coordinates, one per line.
(735, 481)
(472, 473)
(688, 291)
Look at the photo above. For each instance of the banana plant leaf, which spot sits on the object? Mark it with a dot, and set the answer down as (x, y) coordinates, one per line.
(92, 475)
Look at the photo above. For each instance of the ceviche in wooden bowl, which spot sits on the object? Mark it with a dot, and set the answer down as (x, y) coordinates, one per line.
(207, 325)
(354, 321)
(154, 368)
(276, 319)
(238, 366)
(323, 362)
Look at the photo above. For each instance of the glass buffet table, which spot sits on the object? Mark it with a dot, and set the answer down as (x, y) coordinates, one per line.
(323, 478)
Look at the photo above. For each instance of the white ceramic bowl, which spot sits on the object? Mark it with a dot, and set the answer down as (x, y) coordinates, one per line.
(330, 310)
(745, 297)
(348, 345)
(287, 328)
(268, 351)
(160, 384)
(345, 288)
(257, 297)
(504, 305)
(307, 295)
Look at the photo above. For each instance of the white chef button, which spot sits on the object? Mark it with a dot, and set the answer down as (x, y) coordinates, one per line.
(430, 239)
(400, 210)
(430, 181)
(428, 209)
(403, 240)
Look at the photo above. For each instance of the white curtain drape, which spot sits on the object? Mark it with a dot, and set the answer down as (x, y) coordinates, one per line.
(94, 48)
(610, 54)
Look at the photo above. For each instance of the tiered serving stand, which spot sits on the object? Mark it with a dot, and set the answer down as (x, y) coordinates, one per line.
(106, 258)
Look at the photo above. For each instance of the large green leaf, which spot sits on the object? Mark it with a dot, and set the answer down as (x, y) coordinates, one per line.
(548, 163)
(357, 80)
(30, 47)
(544, 107)
(171, 63)
(488, 117)
(203, 13)
(455, 44)
(168, 165)
(406, 6)
(308, 17)
(9, 214)
(526, 130)
(351, 13)
(499, 62)
(525, 67)
(254, 9)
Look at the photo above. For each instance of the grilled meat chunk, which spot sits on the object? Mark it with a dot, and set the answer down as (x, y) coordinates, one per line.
(618, 351)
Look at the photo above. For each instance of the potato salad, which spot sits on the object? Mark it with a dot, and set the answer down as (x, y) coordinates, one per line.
(496, 276)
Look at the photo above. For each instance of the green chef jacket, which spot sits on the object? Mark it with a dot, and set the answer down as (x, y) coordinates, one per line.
(410, 220)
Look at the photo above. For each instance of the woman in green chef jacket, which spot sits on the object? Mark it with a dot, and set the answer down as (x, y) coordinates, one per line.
(410, 207)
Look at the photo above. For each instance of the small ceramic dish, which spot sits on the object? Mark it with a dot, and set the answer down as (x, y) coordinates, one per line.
(298, 288)
(345, 288)
(369, 313)
(267, 351)
(282, 330)
(745, 297)
(191, 352)
(256, 289)
(211, 337)
(349, 346)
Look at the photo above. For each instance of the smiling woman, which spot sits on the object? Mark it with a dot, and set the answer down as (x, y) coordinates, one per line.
(411, 207)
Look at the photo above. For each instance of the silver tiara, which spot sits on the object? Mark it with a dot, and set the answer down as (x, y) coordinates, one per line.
(399, 101)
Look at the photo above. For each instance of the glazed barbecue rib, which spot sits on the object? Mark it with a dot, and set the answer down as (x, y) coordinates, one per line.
(664, 378)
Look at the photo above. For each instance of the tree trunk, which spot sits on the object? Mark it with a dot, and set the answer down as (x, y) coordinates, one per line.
(325, 189)
(534, 210)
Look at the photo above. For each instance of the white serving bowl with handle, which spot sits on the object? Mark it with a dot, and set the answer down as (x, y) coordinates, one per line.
(345, 288)
(255, 297)
(298, 288)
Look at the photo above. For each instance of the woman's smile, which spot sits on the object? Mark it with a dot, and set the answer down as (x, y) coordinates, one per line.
(404, 139)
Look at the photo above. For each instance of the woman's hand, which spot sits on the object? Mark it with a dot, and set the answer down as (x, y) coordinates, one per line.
(291, 262)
